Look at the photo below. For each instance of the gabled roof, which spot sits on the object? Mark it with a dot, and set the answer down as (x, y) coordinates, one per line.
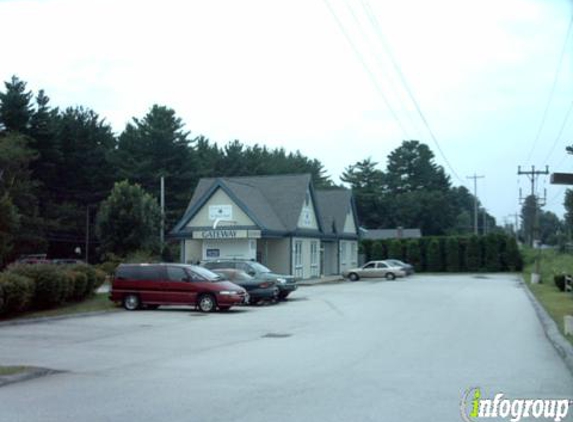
(334, 205)
(274, 203)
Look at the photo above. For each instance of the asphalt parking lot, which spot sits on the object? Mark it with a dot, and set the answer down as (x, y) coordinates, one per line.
(402, 350)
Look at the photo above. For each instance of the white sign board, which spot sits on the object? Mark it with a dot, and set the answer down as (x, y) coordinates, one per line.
(222, 212)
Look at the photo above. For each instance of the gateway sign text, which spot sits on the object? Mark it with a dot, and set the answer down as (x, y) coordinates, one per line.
(227, 234)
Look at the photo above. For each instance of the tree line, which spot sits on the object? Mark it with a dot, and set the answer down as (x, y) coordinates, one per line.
(413, 192)
(57, 166)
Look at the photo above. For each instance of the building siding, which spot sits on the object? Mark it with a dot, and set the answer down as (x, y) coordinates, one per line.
(202, 218)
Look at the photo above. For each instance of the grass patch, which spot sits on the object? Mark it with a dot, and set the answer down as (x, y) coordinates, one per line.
(12, 370)
(556, 303)
(97, 302)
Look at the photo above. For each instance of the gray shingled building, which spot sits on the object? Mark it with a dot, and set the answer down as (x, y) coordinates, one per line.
(280, 221)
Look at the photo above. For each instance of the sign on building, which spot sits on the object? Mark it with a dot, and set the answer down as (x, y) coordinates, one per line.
(222, 212)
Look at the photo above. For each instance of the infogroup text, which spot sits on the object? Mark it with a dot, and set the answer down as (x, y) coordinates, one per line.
(474, 407)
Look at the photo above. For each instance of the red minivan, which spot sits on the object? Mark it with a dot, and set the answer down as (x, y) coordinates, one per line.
(152, 285)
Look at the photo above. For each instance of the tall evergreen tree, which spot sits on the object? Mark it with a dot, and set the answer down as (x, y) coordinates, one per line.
(411, 168)
(17, 191)
(154, 146)
(367, 184)
(15, 107)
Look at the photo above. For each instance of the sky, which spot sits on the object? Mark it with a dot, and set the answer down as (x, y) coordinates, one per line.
(487, 85)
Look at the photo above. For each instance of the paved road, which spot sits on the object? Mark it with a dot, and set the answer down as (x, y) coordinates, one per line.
(365, 351)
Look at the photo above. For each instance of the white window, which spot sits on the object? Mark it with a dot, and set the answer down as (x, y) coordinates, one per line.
(353, 255)
(298, 270)
(342, 253)
(314, 269)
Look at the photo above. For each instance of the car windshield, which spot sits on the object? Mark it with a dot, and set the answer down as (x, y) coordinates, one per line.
(205, 273)
(259, 267)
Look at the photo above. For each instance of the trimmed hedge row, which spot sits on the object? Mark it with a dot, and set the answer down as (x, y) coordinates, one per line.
(492, 253)
(25, 287)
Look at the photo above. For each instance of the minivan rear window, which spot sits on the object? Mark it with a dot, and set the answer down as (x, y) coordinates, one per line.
(140, 272)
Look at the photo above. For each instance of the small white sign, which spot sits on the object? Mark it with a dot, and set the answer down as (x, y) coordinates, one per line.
(222, 212)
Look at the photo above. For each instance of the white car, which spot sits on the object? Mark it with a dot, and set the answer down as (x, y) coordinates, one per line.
(375, 269)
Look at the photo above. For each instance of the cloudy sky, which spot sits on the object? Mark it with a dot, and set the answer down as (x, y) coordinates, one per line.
(339, 80)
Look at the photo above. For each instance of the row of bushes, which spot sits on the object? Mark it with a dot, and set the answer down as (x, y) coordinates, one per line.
(25, 287)
(492, 253)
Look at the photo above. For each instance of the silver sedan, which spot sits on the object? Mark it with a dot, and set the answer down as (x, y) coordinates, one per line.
(375, 269)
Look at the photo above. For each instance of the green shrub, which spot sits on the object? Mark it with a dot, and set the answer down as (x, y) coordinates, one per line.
(414, 254)
(366, 249)
(100, 277)
(79, 282)
(453, 254)
(434, 258)
(378, 251)
(492, 253)
(473, 254)
(514, 259)
(395, 249)
(17, 292)
(50, 283)
(559, 280)
(90, 274)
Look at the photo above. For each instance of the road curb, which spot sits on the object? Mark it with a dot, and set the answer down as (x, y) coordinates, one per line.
(36, 320)
(317, 282)
(559, 342)
(30, 373)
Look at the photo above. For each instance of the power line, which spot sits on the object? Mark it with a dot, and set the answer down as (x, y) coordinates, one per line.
(365, 66)
(380, 64)
(557, 195)
(557, 71)
(378, 30)
(565, 120)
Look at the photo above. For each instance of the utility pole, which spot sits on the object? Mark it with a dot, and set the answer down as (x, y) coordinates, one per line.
(162, 202)
(87, 233)
(533, 175)
(475, 177)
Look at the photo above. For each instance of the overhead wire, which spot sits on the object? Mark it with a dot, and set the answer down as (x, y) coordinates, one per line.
(552, 91)
(557, 139)
(366, 68)
(376, 25)
(386, 75)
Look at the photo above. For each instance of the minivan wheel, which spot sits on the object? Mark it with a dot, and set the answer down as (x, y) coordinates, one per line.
(353, 277)
(206, 303)
(131, 302)
(390, 276)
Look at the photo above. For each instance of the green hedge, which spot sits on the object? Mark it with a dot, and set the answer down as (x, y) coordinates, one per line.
(17, 293)
(25, 287)
(494, 253)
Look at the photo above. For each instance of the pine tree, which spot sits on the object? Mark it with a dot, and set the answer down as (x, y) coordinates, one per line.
(15, 107)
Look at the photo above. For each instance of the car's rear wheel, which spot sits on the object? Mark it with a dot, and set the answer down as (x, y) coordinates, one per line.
(207, 303)
(131, 302)
(283, 295)
(390, 276)
(353, 277)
